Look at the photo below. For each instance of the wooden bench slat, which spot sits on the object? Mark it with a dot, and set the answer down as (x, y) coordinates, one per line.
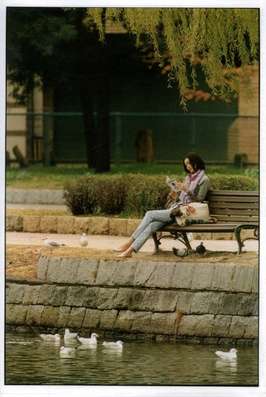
(204, 227)
(235, 211)
(236, 218)
(233, 193)
(217, 204)
(233, 199)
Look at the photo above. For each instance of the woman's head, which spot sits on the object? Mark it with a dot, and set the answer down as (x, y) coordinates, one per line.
(192, 163)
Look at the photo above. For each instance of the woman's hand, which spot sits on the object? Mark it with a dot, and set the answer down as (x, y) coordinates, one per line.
(172, 195)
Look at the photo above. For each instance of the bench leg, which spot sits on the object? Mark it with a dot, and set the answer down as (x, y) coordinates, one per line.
(240, 242)
(238, 239)
(156, 242)
(186, 241)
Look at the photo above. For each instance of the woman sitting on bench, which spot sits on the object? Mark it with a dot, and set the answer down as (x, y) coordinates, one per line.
(194, 188)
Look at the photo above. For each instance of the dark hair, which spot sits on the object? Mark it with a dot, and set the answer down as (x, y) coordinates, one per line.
(195, 160)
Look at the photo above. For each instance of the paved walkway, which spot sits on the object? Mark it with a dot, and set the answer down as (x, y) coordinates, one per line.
(59, 207)
(110, 242)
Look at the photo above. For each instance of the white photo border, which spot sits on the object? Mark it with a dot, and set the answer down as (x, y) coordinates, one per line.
(147, 391)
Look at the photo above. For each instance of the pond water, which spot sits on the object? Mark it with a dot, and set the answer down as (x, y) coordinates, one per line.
(29, 361)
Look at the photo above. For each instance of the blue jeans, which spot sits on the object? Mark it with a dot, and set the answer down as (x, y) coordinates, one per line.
(152, 221)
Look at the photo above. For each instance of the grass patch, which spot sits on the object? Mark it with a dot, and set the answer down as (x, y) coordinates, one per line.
(38, 176)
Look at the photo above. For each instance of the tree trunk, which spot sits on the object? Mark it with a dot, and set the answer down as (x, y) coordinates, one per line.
(103, 126)
(89, 122)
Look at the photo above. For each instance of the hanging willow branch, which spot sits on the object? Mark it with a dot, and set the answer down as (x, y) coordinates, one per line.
(219, 39)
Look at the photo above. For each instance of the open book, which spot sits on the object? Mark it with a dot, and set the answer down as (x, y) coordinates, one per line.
(173, 184)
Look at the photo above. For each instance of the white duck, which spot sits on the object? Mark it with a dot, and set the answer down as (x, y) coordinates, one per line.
(231, 355)
(67, 352)
(83, 240)
(114, 345)
(50, 337)
(89, 341)
(70, 336)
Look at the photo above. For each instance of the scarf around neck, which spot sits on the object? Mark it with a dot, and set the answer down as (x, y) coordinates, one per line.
(191, 182)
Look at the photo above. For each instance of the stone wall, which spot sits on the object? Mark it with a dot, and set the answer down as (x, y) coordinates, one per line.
(69, 224)
(206, 302)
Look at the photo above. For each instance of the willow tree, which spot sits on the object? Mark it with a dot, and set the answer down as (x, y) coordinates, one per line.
(220, 40)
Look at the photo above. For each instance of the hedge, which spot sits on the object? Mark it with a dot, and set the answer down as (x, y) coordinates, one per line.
(133, 194)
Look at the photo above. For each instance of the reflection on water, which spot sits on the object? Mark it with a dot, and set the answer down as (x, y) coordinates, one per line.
(30, 360)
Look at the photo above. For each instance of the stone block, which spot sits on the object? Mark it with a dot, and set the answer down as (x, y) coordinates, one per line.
(239, 304)
(202, 276)
(63, 270)
(142, 322)
(31, 223)
(164, 323)
(91, 318)
(91, 297)
(45, 294)
(162, 275)
(76, 296)
(124, 320)
(59, 296)
(159, 301)
(205, 302)
(196, 325)
(98, 225)
(132, 225)
(63, 316)
(42, 268)
(238, 326)
(242, 280)
(108, 318)
(106, 298)
(87, 271)
(136, 298)
(81, 224)
(124, 273)
(143, 272)
(15, 292)
(49, 316)
(76, 317)
(16, 314)
(221, 326)
(48, 224)
(117, 227)
(252, 328)
(65, 224)
(31, 294)
(14, 223)
(222, 236)
(255, 281)
(184, 300)
(222, 276)
(105, 272)
(182, 276)
(52, 268)
(34, 314)
(123, 298)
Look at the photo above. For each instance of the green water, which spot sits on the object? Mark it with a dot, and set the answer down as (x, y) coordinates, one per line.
(29, 361)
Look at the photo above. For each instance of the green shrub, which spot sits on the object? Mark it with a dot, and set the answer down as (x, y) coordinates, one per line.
(233, 182)
(134, 194)
(95, 194)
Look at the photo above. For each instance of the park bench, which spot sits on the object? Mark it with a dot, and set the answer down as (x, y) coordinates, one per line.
(233, 212)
